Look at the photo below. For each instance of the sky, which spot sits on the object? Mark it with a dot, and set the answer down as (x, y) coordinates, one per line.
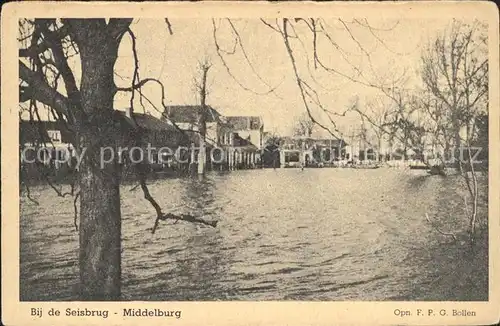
(174, 60)
(383, 52)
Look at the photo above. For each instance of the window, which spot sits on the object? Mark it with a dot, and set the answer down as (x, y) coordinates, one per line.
(54, 135)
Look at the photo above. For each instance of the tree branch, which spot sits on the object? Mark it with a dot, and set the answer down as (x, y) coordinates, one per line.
(450, 234)
(118, 26)
(42, 92)
(139, 85)
(169, 26)
(38, 48)
(188, 218)
(61, 63)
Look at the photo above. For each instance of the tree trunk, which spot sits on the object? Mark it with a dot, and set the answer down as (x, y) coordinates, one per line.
(100, 233)
(379, 152)
(202, 120)
(100, 216)
(457, 142)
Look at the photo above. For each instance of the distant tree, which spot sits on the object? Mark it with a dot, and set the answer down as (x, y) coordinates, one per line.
(201, 87)
(274, 139)
(455, 70)
(304, 126)
(450, 106)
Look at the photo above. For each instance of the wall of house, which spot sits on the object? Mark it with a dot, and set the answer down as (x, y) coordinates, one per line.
(212, 133)
(187, 126)
(225, 136)
(255, 136)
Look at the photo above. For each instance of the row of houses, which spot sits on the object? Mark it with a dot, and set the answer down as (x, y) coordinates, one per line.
(233, 142)
(305, 151)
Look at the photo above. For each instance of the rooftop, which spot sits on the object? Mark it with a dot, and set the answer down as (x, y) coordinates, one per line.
(147, 121)
(188, 113)
(37, 131)
(245, 122)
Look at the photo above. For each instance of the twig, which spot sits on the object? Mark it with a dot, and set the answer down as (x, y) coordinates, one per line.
(187, 218)
(28, 195)
(228, 70)
(169, 26)
(135, 187)
(300, 82)
(437, 229)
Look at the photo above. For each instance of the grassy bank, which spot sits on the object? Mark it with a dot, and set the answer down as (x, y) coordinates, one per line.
(455, 268)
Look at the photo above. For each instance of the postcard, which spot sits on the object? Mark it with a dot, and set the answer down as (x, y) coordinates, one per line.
(250, 163)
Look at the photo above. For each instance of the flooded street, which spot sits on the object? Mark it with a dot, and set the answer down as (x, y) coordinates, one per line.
(285, 234)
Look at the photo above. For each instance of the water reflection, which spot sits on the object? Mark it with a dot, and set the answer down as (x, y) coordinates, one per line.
(198, 195)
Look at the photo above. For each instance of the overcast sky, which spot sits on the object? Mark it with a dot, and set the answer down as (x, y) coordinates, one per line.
(386, 50)
(173, 59)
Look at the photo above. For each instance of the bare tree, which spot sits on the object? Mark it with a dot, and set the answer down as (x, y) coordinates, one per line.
(274, 140)
(379, 111)
(453, 98)
(47, 47)
(201, 86)
(304, 126)
(455, 72)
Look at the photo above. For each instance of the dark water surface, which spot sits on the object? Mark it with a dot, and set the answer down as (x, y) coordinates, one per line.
(285, 234)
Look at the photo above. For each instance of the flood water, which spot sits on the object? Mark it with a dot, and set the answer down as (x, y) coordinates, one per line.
(285, 234)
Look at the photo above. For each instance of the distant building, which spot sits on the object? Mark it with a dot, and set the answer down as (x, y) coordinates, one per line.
(46, 142)
(235, 135)
(157, 133)
(185, 117)
(250, 128)
(52, 141)
(305, 151)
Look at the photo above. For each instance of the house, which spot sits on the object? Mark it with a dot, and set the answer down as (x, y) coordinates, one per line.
(51, 143)
(233, 137)
(47, 142)
(163, 138)
(186, 118)
(308, 151)
(243, 154)
(250, 128)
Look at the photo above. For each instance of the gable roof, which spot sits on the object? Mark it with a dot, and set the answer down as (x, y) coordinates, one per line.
(245, 122)
(147, 121)
(188, 113)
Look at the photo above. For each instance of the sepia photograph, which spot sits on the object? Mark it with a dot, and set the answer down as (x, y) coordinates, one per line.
(264, 158)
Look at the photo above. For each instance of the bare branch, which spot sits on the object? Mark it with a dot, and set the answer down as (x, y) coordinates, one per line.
(188, 218)
(300, 82)
(228, 70)
(141, 84)
(37, 48)
(76, 210)
(169, 26)
(450, 234)
(61, 61)
(42, 92)
(117, 27)
(270, 26)
(238, 38)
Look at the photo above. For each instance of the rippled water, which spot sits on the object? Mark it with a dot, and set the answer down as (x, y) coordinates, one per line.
(317, 234)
